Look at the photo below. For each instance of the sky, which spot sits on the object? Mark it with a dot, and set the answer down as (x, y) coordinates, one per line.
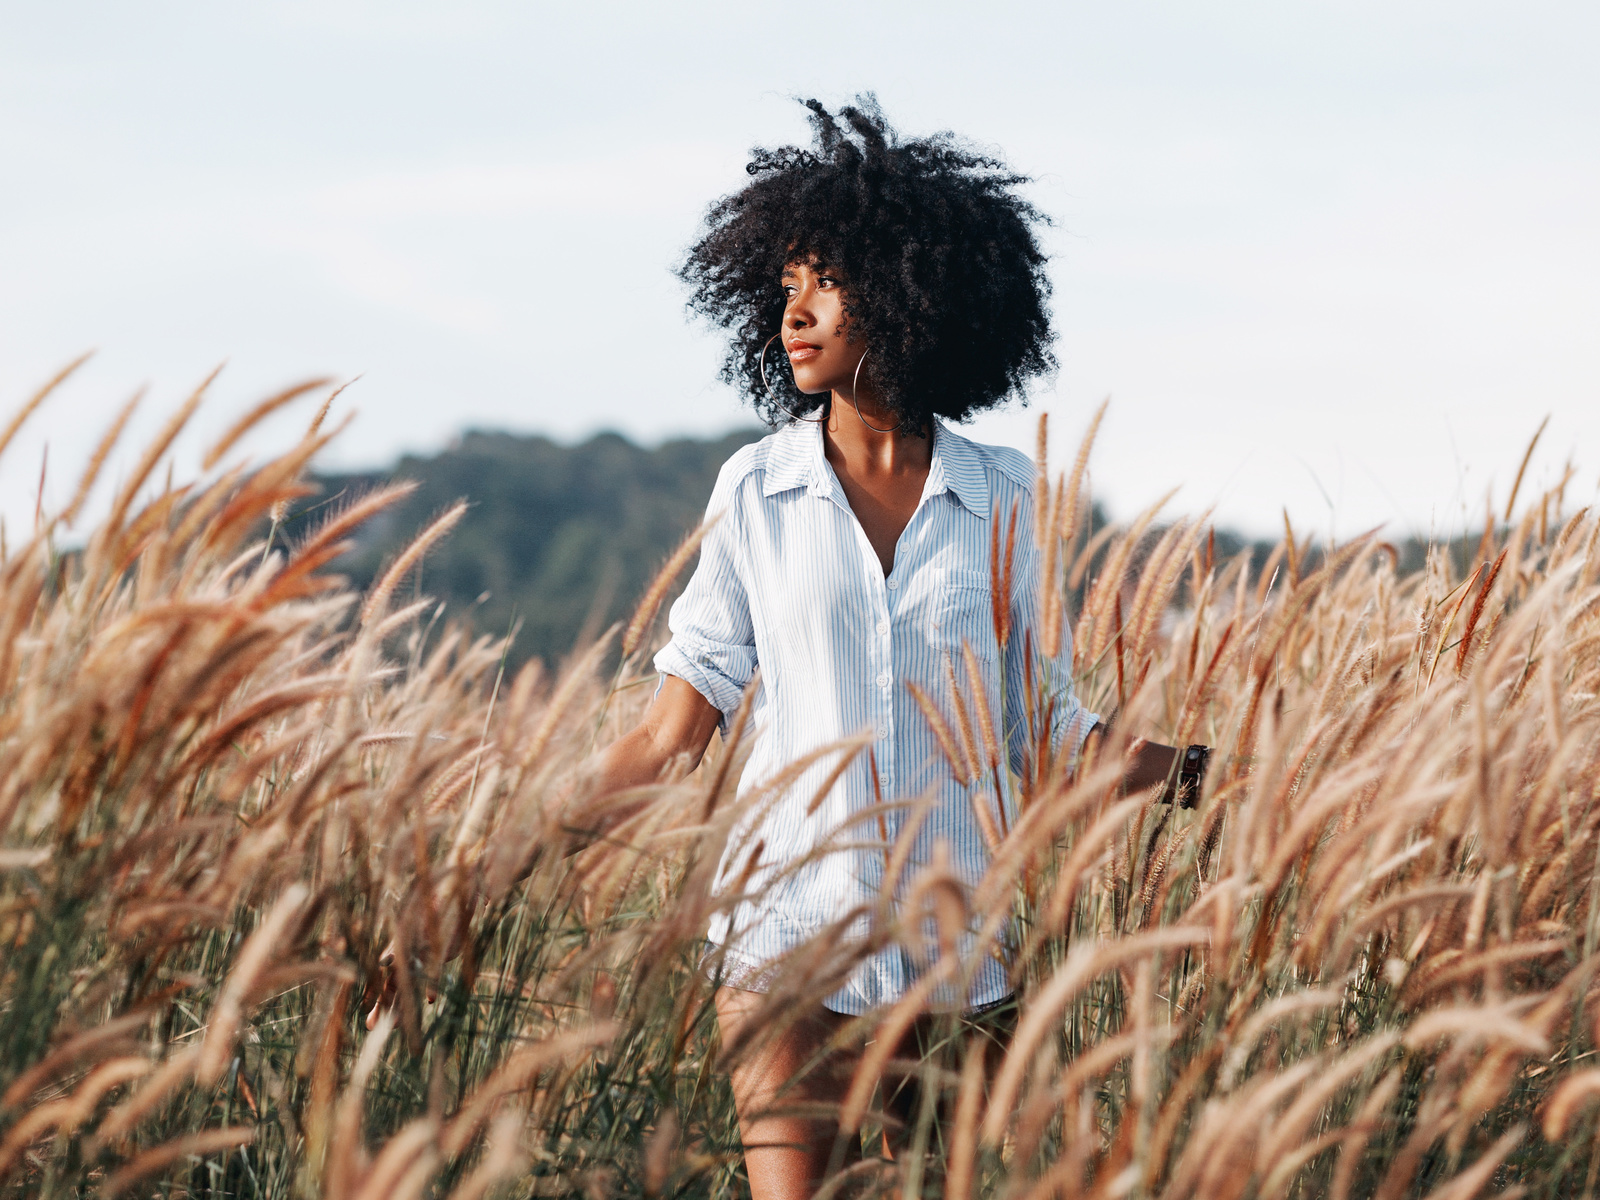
(1334, 259)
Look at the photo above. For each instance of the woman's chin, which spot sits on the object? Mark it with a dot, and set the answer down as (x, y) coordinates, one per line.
(811, 384)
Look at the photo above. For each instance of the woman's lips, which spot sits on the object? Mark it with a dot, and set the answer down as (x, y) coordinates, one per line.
(801, 351)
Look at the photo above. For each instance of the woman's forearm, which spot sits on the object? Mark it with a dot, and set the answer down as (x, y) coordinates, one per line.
(678, 726)
(637, 759)
(675, 732)
(1150, 765)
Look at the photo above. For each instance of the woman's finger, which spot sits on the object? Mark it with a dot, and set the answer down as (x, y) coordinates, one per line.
(386, 988)
(385, 999)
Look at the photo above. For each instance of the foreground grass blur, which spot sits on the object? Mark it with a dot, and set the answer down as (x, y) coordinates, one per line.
(1363, 965)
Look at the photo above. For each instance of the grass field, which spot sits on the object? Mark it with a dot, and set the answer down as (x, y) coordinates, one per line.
(1364, 965)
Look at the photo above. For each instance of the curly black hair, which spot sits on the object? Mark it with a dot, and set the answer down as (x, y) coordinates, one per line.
(943, 277)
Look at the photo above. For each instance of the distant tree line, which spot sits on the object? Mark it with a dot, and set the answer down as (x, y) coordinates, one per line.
(561, 541)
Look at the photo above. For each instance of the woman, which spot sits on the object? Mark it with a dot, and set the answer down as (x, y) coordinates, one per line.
(874, 289)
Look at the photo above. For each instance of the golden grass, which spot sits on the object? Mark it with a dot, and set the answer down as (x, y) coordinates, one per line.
(1363, 965)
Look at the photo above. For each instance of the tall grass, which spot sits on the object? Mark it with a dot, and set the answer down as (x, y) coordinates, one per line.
(1362, 966)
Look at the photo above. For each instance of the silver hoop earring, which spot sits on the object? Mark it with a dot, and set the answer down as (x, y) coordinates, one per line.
(854, 399)
(773, 396)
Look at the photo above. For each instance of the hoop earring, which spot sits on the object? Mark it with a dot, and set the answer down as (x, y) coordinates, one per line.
(855, 393)
(773, 396)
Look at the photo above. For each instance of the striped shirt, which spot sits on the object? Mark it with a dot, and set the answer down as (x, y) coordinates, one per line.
(788, 582)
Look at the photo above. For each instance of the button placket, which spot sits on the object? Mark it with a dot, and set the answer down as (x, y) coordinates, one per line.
(884, 683)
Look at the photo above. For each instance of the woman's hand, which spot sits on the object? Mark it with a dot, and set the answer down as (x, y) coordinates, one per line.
(387, 987)
(389, 978)
(676, 728)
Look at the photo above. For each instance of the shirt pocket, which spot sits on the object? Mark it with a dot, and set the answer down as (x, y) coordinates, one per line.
(963, 611)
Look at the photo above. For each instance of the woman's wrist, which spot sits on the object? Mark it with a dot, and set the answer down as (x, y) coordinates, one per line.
(1187, 776)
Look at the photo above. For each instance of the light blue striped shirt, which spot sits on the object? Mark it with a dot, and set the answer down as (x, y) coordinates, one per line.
(788, 581)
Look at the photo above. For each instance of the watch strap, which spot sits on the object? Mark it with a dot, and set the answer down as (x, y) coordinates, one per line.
(1192, 763)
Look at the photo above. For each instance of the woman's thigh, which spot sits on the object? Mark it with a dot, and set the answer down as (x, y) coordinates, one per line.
(789, 1076)
(791, 1072)
(942, 1041)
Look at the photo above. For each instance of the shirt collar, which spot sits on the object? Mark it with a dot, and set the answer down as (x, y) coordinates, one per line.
(958, 467)
(797, 460)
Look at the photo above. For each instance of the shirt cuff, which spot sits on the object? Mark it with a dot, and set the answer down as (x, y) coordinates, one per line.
(701, 671)
(1071, 733)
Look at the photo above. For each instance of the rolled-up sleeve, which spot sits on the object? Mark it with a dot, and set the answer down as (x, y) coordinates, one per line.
(1070, 721)
(713, 646)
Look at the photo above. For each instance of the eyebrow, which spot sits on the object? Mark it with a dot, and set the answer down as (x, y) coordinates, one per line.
(817, 268)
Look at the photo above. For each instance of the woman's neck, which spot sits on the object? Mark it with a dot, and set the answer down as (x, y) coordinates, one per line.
(882, 471)
(868, 443)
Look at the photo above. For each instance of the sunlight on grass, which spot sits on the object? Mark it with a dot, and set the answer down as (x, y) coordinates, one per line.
(1363, 965)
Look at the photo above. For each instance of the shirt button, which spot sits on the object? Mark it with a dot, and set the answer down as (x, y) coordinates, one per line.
(883, 778)
(883, 627)
(883, 681)
(893, 583)
(883, 732)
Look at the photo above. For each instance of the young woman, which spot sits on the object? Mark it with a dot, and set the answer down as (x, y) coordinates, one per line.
(874, 290)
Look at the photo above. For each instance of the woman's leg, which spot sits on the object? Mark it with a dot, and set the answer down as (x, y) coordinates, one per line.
(786, 1156)
(986, 1031)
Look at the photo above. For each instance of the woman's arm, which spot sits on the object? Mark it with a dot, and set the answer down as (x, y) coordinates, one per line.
(667, 743)
(674, 732)
(1149, 764)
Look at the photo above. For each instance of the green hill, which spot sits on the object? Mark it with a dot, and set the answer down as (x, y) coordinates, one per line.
(562, 539)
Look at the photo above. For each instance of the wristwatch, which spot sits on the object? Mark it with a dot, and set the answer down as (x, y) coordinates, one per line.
(1191, 773)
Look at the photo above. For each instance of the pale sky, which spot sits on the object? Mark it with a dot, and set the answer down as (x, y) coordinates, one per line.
(1339, 258)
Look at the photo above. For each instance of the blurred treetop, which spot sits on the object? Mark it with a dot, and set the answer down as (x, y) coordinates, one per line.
(561, 539)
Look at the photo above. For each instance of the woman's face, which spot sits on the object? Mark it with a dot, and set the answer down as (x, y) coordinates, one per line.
(815, 330)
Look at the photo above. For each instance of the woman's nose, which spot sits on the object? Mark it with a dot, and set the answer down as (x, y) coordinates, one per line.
(798, 314)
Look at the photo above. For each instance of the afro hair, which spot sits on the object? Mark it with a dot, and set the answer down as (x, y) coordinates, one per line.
(943, 277)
